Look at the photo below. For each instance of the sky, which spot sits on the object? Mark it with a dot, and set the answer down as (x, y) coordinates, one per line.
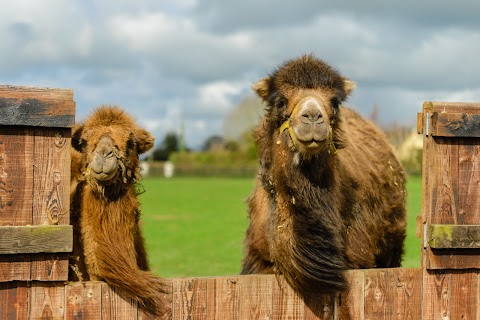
(176, 64)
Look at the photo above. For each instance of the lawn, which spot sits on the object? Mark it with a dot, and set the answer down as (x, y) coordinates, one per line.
(195, 226)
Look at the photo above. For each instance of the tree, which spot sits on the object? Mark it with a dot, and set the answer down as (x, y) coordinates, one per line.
(169, 144)
(243, 118)
(214, 143)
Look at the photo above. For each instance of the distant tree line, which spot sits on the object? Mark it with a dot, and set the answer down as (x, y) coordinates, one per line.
(237, 146)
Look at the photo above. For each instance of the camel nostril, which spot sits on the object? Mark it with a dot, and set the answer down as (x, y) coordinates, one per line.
(312, 116)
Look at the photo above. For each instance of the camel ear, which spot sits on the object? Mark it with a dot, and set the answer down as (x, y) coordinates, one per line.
(144, 140)
(261, 88)
(348, 86)
(77, 142)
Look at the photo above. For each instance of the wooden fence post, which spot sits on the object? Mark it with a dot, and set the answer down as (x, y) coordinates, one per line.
(35, 133)
(451, 209)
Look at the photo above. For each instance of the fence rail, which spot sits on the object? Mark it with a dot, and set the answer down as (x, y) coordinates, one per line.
(374, 294)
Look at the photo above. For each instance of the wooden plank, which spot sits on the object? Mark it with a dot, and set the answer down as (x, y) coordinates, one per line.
(452, 236)
(51, 195)
(408, 293)
(464, 295)
(379, 294)
(427, 194)
(256, 299)
(16, 175)
(350, 305)
(451, 107)
(35, 239)
(37, 113)
(189, 298)
(443, 181)
(420, 123)
(83, 300)
(292, 304)
(42, 93)
(117, 306)
(16, 184)
(40, 107)
(54, 266)
(436, 295)
(444, 170)
(469, 181)
(455, 124)
(15, 267)
(222, 298)
(13, 299)
(47, 301)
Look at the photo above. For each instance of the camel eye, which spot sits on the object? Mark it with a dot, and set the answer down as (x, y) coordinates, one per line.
(335, 103)
(79, 144)
(130, 144)
(282, 103)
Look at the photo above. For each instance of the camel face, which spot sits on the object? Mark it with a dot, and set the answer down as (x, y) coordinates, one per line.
(308, 122)
(110, 143)
(303, 102)
(104, 164)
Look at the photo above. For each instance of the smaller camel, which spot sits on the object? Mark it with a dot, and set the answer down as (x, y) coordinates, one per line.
(105, 212)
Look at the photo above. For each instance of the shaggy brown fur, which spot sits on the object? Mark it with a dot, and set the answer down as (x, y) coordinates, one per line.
(330, 195)
(105, 210)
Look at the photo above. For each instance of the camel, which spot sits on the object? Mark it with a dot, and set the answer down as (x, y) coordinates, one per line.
(330, 193)
(105, 211)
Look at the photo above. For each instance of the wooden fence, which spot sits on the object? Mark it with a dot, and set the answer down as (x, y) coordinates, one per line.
(35, 235)
(374, 294)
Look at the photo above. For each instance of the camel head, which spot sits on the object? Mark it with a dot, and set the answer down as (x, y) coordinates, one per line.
(110, 144)
(303, 99)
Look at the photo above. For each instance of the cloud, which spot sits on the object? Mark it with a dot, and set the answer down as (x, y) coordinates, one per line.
(188, 63)
(221, 16)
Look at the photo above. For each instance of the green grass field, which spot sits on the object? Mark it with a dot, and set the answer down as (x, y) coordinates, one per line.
(195, 226)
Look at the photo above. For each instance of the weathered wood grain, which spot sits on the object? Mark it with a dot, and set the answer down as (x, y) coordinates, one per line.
(455, 124)
(374, 294)
(51, 197)
(436, 295)
(83, 300)
(16, 184)
(454, 236)
(46, 301)
(464, 291)
(116, 306)
(451, 178)
(35, 239)
(408, 293)
(39, 107)
(13, 301)
(16, 175)
(286, 303)
(255, 297)
(451, 107)
(189, 298)
(350, 305)
(222, 298)
(444, 169)
(469, 181)
(379, 294)
(42, 93)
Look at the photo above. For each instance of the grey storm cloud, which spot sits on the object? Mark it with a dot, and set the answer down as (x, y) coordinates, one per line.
(190, 61)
